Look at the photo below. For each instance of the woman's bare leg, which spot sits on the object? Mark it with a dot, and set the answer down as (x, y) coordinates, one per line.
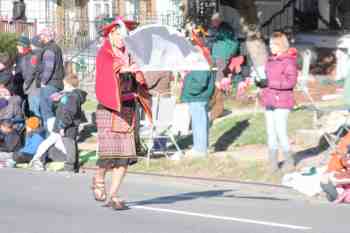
(98, 184)
(118, 175)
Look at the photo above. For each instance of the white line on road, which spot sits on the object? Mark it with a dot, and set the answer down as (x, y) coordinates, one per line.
(242, 220)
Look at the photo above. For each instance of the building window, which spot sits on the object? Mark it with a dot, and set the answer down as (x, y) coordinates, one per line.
(98, 9)
(107, 9)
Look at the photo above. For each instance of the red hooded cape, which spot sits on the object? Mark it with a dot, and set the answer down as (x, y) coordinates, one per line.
(108, 66)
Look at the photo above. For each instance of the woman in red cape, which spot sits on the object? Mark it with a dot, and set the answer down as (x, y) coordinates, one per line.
(118, 87)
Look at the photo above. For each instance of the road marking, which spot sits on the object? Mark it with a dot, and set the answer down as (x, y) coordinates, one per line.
(242, 220)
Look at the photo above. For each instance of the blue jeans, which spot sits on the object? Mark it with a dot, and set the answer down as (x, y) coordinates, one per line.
(46, 104)
(200, 126)
(34, 104)
(277, 129)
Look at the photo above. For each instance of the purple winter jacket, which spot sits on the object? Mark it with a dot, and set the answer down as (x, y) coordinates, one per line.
(282, 75)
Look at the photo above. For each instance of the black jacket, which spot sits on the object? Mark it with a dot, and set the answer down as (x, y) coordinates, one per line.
(57, 75)
(23, 73)
(69, 113)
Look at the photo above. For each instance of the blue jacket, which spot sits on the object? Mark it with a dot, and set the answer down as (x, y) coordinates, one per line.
(32, 143)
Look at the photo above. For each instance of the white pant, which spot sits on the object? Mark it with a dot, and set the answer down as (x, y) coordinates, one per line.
(54, 139)
(277, 129)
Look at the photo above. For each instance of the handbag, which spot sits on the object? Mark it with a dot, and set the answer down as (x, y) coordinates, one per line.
(124, 121)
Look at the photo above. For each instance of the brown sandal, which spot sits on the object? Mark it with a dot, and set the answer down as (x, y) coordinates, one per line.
(98, 189)
(116, 204)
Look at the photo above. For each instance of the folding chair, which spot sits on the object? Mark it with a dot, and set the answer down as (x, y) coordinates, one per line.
(331, 138)
(163, 107)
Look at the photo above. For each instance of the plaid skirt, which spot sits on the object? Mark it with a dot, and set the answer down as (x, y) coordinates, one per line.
(113, 145)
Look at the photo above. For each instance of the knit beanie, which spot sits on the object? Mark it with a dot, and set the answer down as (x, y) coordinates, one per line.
(36, 42)
(23, 41)
(33, 122)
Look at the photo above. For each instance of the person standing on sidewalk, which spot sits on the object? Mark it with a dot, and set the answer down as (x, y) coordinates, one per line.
(197, 91)
(26, 66)
(278, 98)
(52, 74)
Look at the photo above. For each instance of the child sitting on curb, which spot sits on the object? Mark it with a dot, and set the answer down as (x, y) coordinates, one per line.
(33, 139)
(10, 141)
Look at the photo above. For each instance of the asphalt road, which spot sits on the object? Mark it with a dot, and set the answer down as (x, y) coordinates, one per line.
(32, 202)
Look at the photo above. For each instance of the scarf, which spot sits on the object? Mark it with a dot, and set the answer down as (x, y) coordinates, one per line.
(108, 89)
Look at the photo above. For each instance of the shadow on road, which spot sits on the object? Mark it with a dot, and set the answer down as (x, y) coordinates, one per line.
(198, 195)
(257, 198)
(183, 197)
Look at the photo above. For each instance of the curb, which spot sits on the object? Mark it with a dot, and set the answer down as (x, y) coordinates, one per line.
(201, 179)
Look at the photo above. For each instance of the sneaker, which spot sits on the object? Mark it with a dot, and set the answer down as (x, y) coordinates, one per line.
(10, 163)
(37, 166)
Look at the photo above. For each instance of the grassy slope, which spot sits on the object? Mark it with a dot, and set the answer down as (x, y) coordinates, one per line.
(225, 136)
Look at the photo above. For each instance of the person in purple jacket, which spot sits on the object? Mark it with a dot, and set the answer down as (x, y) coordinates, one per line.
(51, 75)
(278, 98)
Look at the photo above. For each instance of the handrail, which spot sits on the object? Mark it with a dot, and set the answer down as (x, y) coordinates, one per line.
(283, 9)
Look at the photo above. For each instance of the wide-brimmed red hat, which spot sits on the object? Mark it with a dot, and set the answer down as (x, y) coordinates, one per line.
(119, 21)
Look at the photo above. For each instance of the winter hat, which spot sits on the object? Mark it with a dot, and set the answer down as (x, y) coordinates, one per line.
(23, 41)
(33, 122)
(36, 42)
(47, 32)
(119, 24)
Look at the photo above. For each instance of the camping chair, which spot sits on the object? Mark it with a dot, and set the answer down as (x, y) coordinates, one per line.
(331, 138)
(155, 136)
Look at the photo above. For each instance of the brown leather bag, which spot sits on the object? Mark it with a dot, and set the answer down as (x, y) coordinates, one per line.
(124, 121)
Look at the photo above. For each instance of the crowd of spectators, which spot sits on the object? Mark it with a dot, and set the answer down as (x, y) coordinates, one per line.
(40, 106)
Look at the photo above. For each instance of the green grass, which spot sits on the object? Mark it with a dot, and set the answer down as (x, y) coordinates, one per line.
(223, 167)
(250, 129)
(214, 167)
(90, 106)
(226, 135)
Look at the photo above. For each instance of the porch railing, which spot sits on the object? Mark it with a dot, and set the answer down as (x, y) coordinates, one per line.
(19, 27)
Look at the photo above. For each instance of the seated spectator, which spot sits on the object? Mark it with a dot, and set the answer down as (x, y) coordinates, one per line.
(336, 180)
(5, 70)
(33, 139)
(11, 108)
(66, 126)
(10, 141)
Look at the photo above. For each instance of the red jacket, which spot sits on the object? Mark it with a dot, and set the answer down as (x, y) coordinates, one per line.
(282, 74)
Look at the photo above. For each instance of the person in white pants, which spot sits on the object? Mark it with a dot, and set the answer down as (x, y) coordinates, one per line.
(54, 139)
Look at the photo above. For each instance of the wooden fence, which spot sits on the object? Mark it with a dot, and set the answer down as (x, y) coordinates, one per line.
(19, 27)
